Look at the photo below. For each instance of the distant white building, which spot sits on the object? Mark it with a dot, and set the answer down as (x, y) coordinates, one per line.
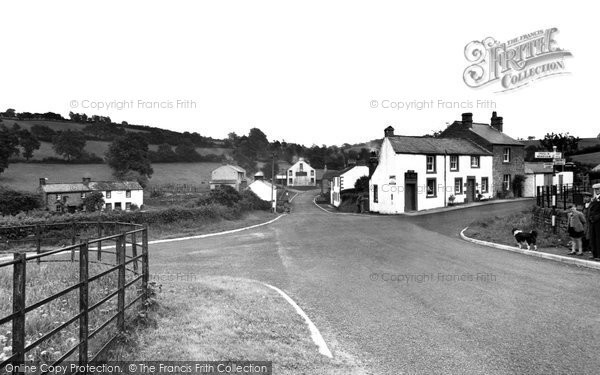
(420, 173)
(301, 174)
(230, 175)
(263, 190)
(344, 180)
(537, 174)
(69, 197)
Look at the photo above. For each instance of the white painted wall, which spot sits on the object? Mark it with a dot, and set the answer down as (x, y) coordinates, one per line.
(309, 180)
(137, 198)
(346, 181)
(391, 190)
(263, 190)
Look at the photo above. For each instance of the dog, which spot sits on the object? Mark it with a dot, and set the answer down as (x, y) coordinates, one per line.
(525, 238)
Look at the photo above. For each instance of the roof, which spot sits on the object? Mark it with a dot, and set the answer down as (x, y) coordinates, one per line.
(91, 186)
(439, 146)
(319, 173)
(493, 135)
(330, 174)
(537, 168)
(234, 167)
(263, 182)
(230, 181)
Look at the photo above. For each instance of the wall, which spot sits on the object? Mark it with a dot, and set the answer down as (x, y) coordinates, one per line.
(309, 180)
(516, 165)
(391, 191)
(542, 218)
(137, 198)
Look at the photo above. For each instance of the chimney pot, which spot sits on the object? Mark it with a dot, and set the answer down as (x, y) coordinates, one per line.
(467, 119)
(496, 122)
(389, 131)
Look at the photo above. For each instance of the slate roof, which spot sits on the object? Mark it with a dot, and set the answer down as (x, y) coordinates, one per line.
(493, 135)
(92, 186)
(437, 146)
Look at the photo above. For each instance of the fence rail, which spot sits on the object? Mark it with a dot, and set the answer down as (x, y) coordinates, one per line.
(20, 309)
(561, 196)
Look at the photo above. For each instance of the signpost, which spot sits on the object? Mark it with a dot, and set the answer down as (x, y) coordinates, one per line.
(548, 155)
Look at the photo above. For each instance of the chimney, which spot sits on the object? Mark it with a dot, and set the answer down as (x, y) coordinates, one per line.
(389, 131)
(87, 180)
(467, 119)
(373, 161)
(43, 181)
(496, 122)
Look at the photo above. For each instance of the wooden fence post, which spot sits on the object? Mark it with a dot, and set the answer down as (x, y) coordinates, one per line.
(83, 302)
(145, 264)
(99, 242)
(121, 244)
(18, 322)
(38, 241)
(134, 252)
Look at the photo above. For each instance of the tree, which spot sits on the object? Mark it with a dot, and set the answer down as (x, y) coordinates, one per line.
(186, 151)
(518, 183)
(69, 144)
(28, 142)
(43, 133)
(362, 184)
(93, 201)
(564, 142)
(164, 154)
(10, 113)
(129, 153)
(9, 143)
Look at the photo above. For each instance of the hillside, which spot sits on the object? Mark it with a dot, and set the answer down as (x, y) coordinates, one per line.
(25, 176)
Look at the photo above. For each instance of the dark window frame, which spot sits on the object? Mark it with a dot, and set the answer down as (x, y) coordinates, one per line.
(434, 170)
(462, 190)
(434, 194)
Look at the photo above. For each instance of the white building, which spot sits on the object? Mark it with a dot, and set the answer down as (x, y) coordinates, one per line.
(263, 190)
(420, 173)
(345, 180)
(301, 174)
(537, 174)
(230, 175)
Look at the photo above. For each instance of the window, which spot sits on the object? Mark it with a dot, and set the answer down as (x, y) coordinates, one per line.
(430, 163)
(506, 158)
(127, 206)
(431, 191)
(127, 193)
(108, 206)
(301, 167)
(290, 182)
(458, 185)
(506, 182)
(290, 172)
(58, 208)
(392, 198)
(474, 161)
(312, 180)
(117, 205)
(312, 173)
(108, 194)
(82, 195)
(454, 162)
(58, 197)
(375, 196)
(484, 185)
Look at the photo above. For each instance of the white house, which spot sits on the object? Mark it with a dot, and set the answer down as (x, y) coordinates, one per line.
(263, 190)
(230, 175)
(301, 174)
(536, 174)
(345, 180)
(118, 195)
(420, 173)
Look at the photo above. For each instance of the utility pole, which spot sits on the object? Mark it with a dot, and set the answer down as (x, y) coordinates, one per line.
(273, 196)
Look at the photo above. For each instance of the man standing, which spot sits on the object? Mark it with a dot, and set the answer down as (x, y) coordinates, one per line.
(594, 212)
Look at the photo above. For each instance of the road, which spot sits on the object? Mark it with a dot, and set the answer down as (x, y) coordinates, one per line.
(407, 295)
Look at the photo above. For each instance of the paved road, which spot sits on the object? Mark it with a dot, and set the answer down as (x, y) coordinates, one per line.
(510, 313)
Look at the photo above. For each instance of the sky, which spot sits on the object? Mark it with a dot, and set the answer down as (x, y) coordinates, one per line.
(310, 72)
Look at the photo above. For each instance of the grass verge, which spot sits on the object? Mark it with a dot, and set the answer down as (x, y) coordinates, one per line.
(224, 318)
(498, 229)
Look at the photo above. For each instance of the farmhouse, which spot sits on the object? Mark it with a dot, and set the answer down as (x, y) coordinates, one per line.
(508, 153)
(345, 180)
(230, 175)
(301, 174)
(420, 173)
(118, 195)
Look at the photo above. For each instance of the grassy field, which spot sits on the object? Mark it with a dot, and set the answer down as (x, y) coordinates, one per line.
(223, 318)
(25, 176)
(592, 158)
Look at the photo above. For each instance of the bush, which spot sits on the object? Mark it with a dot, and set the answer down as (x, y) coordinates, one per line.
(12, 202)
(251, 201)
(223, 194)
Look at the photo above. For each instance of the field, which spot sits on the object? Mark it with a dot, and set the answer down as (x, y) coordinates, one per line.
(591, 158)
(25, 176)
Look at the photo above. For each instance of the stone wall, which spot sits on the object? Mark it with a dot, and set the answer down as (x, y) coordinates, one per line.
(542, 218)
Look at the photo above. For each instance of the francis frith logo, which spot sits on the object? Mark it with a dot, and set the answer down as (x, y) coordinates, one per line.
(514, 63)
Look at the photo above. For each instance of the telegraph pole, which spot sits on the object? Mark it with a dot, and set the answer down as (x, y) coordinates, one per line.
(273, 196)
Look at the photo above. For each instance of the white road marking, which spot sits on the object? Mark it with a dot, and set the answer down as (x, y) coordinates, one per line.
(314, 332)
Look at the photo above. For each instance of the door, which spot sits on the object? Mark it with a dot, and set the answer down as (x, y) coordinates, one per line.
(471, 189)
(410, 197)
